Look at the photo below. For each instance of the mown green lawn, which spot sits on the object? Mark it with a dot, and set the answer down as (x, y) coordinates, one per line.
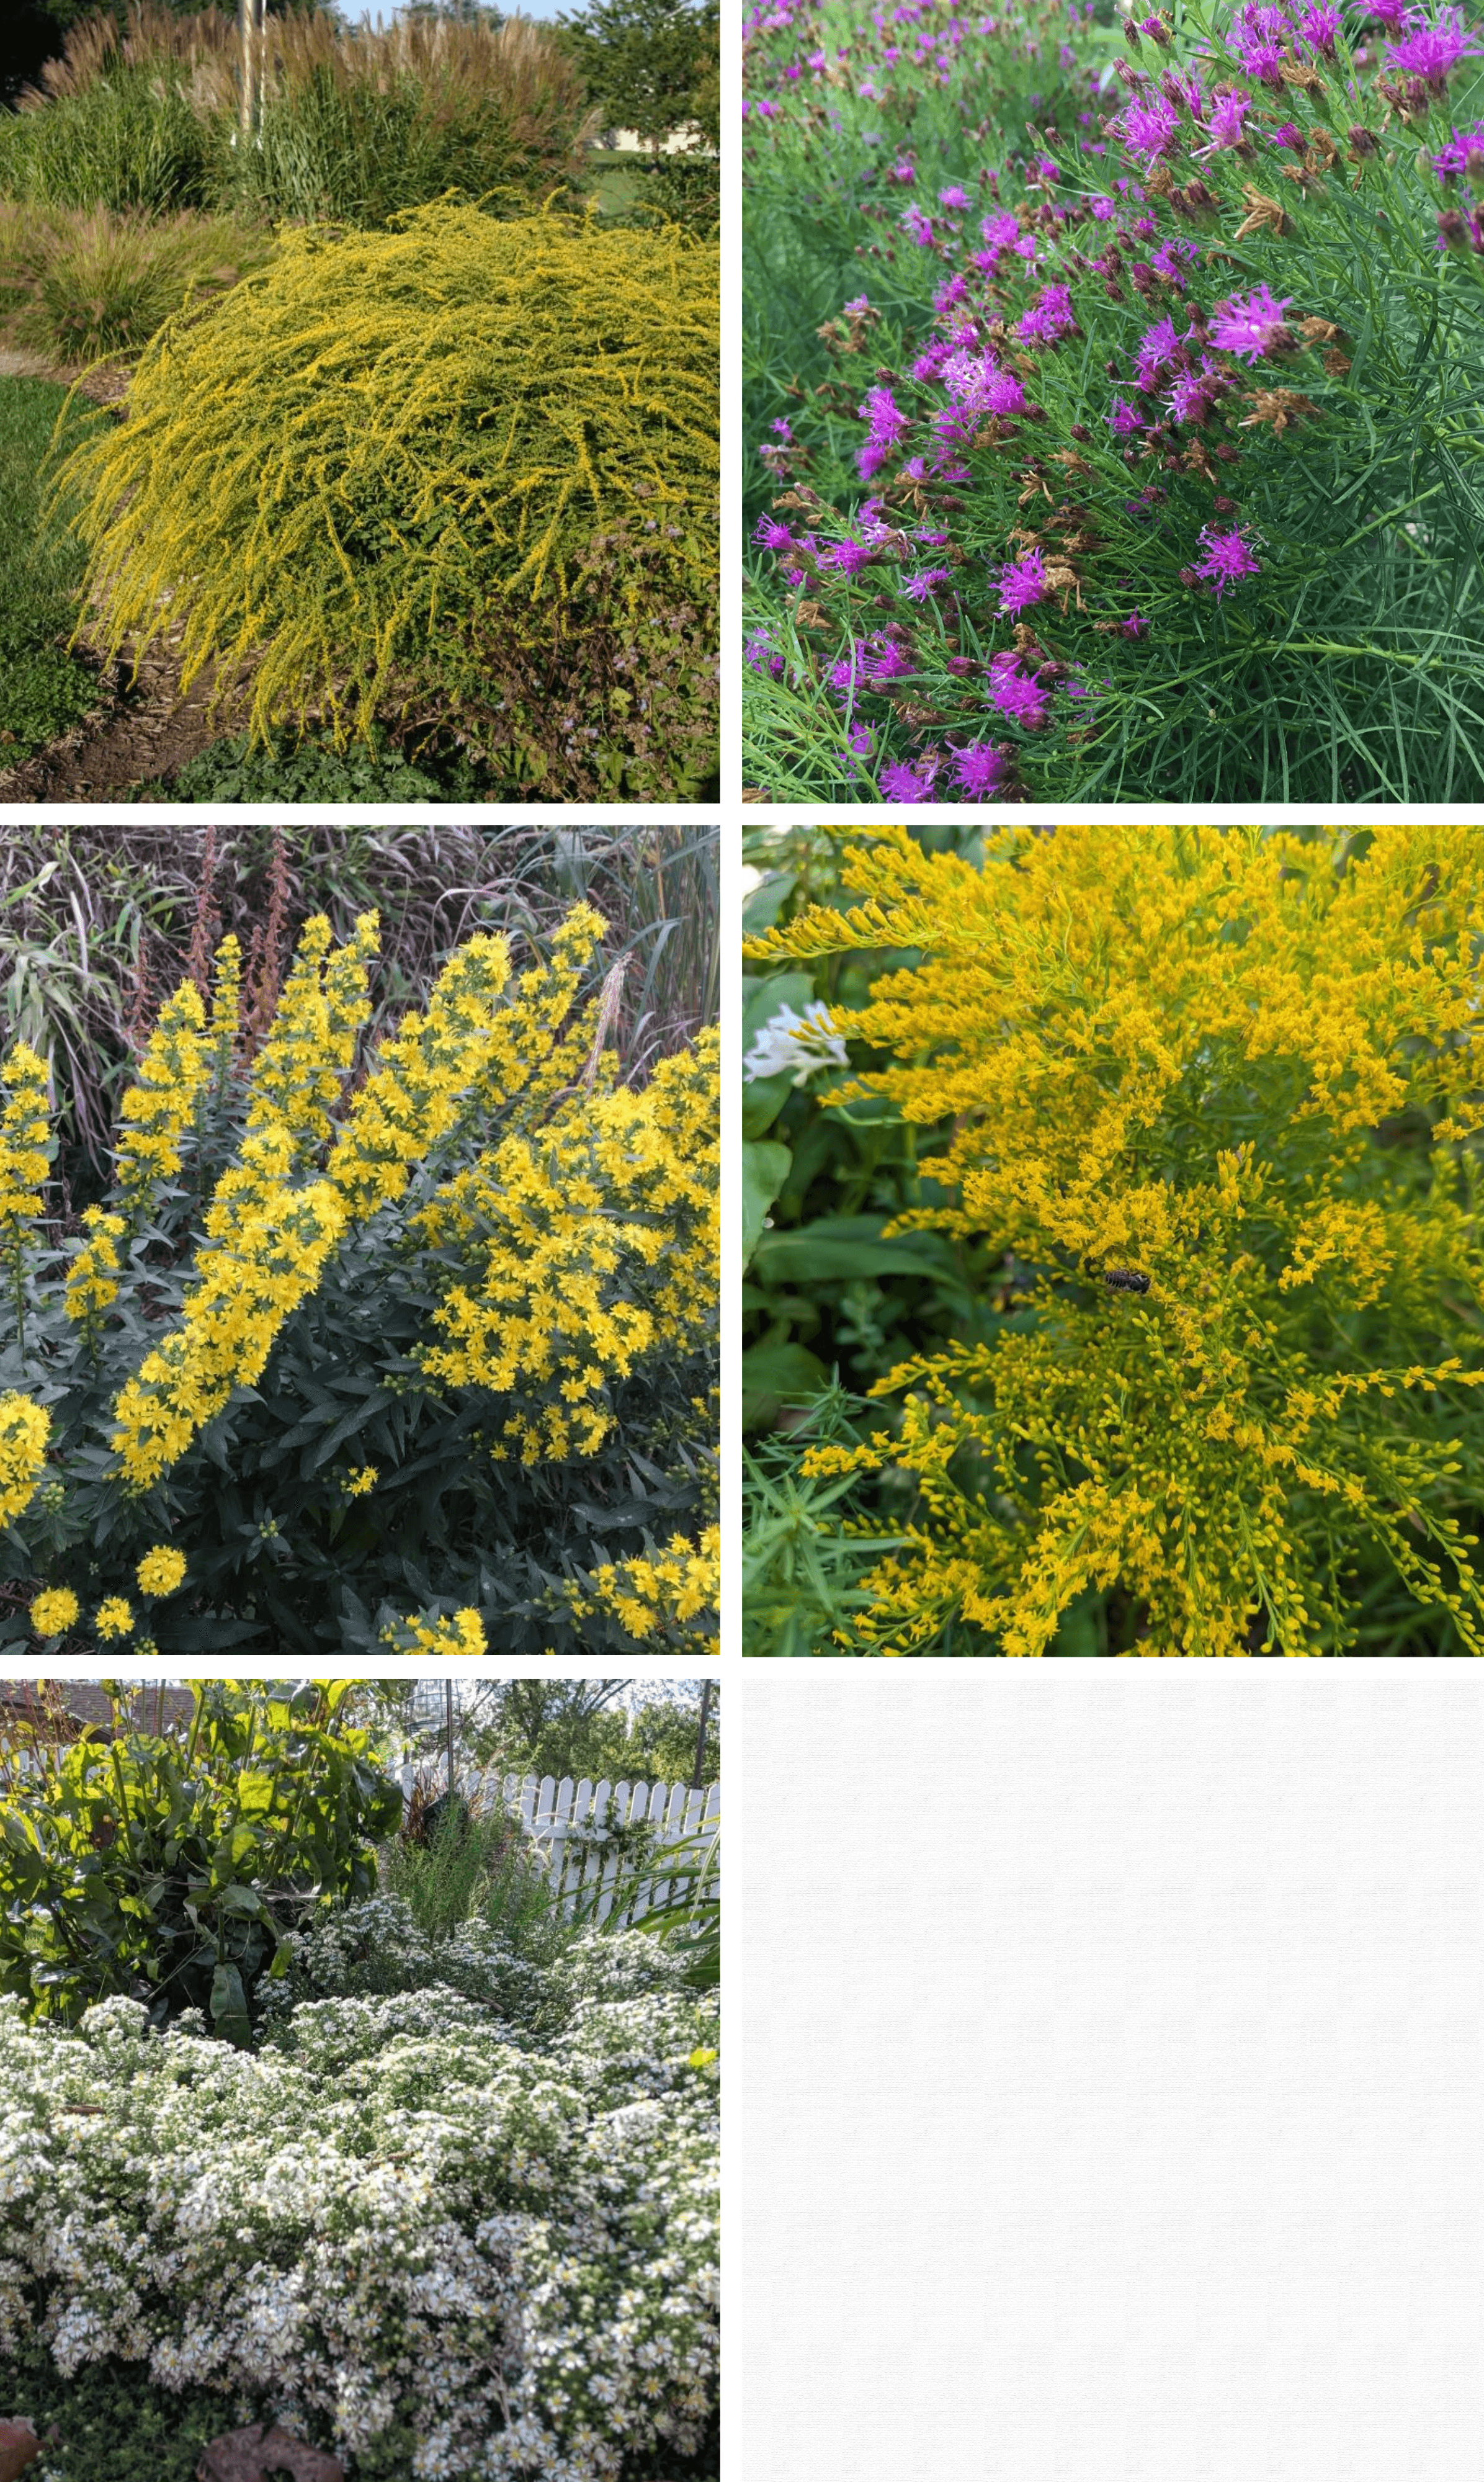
(43, 689)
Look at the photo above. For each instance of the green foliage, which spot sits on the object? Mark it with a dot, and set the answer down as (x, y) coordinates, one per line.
(287, 768)
(645, 62)
(43, 690)
(475, 1865)
(498, 510)
(169, 1865)
(84, 285)
(111, 2422)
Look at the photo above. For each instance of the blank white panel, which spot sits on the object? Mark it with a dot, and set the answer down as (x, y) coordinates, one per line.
(1109, 2101)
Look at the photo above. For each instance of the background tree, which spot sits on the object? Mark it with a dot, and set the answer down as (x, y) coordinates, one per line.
(646, 62)
(569, 1728)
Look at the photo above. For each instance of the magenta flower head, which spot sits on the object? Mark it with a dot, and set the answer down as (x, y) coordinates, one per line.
(1228, 110)
(1022, 583)
(1250, 325)
(1465, 147)
(1192, 396)
(1135, 625)
(1158, 348)
(1002, 393)
(772, 536)
(1151, 128)
(1014, 693)
(981, 769)
(1227, 556)
(1318, 27)
(1431, 51)
(901, 782)
(1125, 419)
(848, 556)
(1052, 316)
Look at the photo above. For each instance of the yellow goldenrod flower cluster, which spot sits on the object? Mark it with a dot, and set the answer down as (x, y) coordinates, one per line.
(1221, 1088)
(461, 1634)
(162, 1570)
(161, 1104)
(24, 1135)
(54, 1611)
(92, 1279)
(114, 1616)
(599, 1236)
(660, 1595)
(358, 1481)
(24, 1431)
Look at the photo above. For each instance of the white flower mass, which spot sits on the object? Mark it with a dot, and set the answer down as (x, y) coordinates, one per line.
(473, 2215)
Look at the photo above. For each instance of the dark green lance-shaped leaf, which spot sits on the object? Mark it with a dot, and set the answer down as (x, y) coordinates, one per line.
(229, 2006)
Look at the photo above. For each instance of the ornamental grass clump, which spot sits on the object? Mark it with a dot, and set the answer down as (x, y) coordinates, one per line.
(427, 1324)
(1206, 1106)
(1141, 448)
(461, 473)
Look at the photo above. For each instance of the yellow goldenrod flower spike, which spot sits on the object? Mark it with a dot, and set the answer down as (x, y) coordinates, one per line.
(25, 1429)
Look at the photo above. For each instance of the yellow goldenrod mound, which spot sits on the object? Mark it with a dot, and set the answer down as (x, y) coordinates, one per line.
(391, 456)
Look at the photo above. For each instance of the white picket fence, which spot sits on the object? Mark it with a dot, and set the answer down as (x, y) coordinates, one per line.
(568, 1818)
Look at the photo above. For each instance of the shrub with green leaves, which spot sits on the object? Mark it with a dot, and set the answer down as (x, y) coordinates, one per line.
(84, 285)
(1147, 458)
(462, 471)
(171, 1867)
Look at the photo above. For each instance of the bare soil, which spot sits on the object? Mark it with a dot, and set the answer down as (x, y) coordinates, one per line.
(144, 726)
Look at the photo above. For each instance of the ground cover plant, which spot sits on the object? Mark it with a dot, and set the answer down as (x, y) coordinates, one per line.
(447, 2205)
(497, 514)
(1156, 1306)
(399, 1334)
(1137, 450)
(43, 687)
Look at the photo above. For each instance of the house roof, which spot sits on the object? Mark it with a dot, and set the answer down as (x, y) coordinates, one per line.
(84, 1703)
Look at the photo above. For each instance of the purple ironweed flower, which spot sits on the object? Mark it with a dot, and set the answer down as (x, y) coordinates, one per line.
(1172, 258)
(1022, 583)
(1191, 398)
(1157, 350)
(918, 226)
(1135, 625)
(901, 782)
(1183, 88)
(924, 582)
(859, 741)
(1453, 159)
(980, 769)
(1250, 326)
(1227, 556)
(1430, 50)
(1318, 28)
(928, 366)
(782, 428)
(1156, 29)
(772, 536)
(1103, 210)
(1000, 230)
(848, 556)
(846, 672)
(762, 655)
(955, 200)
(1289, 134)
(903, 172)
(1388, 13)
(1043, 170)
(915, 471)
(888, 422)
(889, 662)
(1125, 419)
(1014, 693)
(1261, 57)
(1228, 110)
(948, 295)
(858, 308)
(1150, 128)
(1052, 316)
